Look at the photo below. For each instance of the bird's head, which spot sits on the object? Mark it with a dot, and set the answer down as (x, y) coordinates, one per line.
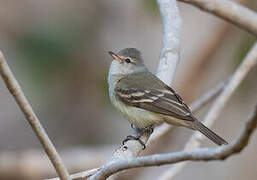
(127, 61)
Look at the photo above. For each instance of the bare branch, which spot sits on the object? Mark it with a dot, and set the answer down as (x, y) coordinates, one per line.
(34, 163)
(248, 63)
(27, 110)
(200, 154)
(169, 57)
(202, 59)
(81, 175)
(230, 11)
(207, 97)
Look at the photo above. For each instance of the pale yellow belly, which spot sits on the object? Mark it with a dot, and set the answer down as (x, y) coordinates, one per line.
(142, 118)
(139, 117)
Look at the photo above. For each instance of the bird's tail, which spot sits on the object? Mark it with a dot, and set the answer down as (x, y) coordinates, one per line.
(209, 133)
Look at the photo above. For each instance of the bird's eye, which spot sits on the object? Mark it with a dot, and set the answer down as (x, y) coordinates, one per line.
(127, 60)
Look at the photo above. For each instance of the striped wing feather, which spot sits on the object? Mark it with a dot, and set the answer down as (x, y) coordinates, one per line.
(165, 101)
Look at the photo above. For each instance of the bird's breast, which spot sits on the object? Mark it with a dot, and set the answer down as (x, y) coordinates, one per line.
(139, 117)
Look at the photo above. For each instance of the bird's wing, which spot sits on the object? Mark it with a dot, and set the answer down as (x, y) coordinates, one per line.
(163, 101)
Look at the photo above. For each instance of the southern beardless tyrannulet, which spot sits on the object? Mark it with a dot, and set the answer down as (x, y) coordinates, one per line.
(145, 100)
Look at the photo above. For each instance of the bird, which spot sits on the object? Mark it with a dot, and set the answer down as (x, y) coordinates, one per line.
(145, 101)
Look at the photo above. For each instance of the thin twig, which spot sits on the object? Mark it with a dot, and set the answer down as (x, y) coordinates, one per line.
(248, 63)
(230, 11)
(207, 97)
(200, 154)
(80, 175)
(27, 110)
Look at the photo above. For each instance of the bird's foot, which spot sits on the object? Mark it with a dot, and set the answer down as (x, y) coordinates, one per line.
(148, 129)
(142, 131)
(136, 138)
(139, 133)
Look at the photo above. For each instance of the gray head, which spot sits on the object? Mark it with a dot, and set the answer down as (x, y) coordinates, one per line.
(127, 61)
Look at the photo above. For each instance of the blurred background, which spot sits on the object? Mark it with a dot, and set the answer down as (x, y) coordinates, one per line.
(58, 52)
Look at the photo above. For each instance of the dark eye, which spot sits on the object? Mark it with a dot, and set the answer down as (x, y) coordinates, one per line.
(127, 60)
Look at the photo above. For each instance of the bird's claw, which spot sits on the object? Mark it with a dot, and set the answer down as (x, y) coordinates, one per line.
(133, 126)
(136, 138)
(140, 132)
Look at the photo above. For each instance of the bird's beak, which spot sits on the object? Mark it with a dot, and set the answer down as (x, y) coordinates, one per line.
(115, 57)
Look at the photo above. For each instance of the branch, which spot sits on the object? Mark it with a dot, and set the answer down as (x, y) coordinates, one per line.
(248, 63)
(81, 175)
(27, 110)
(35, 164)
(169, 57)
(200, 154)
(202, 58)
(230, 11)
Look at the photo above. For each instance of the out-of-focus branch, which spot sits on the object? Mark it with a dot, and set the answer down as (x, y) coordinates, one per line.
(248, 63)
(27, 110)
(207, 97)
(230, 11)
(200, 154)
(34, 164)
(201, 60)
(82, 175)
